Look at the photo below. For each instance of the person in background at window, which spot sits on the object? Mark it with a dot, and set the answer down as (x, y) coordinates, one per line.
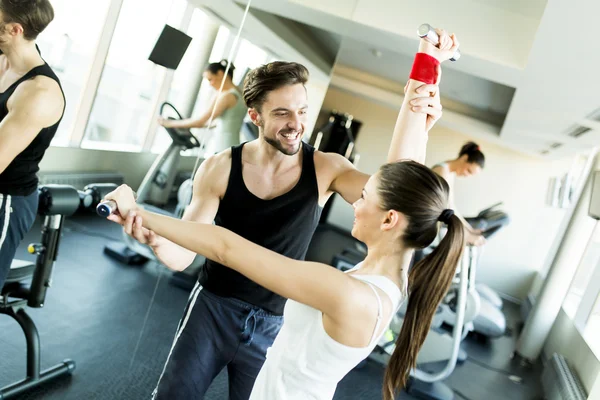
(229, 109)
(32, 104)
(470, 162)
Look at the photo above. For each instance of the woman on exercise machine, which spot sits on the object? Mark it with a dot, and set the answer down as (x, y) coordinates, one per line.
(228, 105)
(470, 162)
(326, 332)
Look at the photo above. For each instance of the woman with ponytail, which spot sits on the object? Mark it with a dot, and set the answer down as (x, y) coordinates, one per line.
(229, 109)
(470, 162)
(333, 319)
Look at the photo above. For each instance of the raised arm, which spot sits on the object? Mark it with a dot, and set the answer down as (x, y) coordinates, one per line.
(36, 104)
(220, 104)
(419, 111)
(410, 133)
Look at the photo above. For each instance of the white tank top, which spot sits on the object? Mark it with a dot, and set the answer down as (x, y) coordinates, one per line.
(305, 363)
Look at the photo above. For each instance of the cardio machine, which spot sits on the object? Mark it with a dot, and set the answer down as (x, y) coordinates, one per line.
(484, 306)
(156, 188)
(490, 221)
(56, 202)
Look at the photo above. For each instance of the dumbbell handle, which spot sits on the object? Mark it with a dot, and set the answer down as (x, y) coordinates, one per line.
(428, 33)
(105, 208)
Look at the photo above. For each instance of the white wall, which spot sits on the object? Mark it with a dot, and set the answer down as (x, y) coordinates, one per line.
(595, 392)
(511, 258)
(565, 339)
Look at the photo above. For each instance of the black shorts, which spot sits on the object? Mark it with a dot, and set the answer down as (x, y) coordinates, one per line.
(17, 214)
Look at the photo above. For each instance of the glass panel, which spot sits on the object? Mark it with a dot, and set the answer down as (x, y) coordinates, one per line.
(69, 46)
(182, 77)
(130, 83)
(592, 328)
(583, 274)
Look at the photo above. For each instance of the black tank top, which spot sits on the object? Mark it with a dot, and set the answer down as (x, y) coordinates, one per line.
(284, 224)
(19, 178)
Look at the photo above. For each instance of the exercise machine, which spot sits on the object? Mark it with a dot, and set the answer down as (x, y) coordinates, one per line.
(155, 190)
(490, 221)
(55, 203)
(484, 306)
(337, 135)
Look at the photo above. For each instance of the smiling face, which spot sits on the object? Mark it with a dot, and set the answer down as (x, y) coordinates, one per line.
(282, 118)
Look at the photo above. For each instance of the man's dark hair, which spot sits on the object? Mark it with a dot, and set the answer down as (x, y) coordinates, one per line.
(33, 15)
(266, 78)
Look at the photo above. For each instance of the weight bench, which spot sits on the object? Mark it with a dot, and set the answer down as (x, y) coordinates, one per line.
(55, 203)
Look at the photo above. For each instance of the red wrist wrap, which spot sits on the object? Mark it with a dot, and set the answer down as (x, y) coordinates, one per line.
(424, 68)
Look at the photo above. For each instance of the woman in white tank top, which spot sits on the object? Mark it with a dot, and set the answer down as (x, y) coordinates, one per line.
(228, 115)
(334, 319)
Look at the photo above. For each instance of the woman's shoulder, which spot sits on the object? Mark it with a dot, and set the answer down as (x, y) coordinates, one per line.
(229, 97)
(234, 92)
(441, 165)
(442, 169)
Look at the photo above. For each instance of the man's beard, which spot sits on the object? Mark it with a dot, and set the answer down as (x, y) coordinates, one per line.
(279, 146)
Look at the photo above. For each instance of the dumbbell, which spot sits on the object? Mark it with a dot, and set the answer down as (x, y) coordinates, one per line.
(91, 195)
(107, 207)
(428, 33)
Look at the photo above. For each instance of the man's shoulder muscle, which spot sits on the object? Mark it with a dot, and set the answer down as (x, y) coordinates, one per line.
(213, 173)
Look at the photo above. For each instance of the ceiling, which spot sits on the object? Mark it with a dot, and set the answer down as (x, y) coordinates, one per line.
(526, 79)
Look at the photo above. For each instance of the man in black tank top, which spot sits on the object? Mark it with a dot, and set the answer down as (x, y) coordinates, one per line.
(31, 107)
(271, 192)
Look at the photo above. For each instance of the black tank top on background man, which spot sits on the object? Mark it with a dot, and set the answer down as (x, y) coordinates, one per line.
(284, 224)
(20, 177)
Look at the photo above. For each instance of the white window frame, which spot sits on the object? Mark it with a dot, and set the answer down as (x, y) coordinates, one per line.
(93, 81)
(586, 306)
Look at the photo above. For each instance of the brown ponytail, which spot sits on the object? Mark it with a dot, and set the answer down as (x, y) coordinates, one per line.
(428, 282)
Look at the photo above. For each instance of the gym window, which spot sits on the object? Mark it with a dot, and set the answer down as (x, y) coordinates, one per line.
(124, 104)
(592, 329)
(69, 46)
(181, 78)
(582, 303)
(100, 52)
(584, 273)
